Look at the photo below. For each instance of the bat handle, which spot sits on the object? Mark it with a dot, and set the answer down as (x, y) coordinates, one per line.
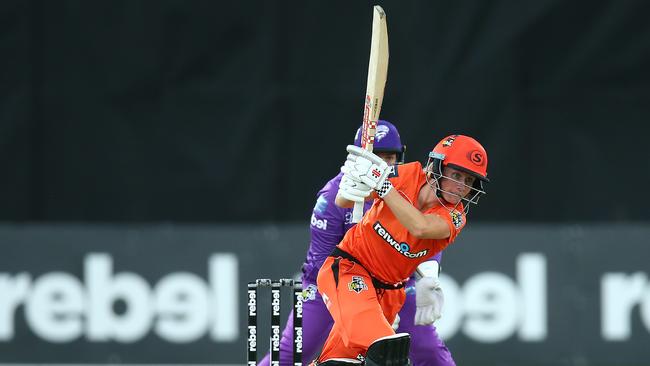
(357, 212)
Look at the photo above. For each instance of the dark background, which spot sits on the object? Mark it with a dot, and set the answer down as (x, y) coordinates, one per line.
(204, 111)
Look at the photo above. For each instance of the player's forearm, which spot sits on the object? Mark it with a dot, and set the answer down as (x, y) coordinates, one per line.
(419, 225)
(407, 214)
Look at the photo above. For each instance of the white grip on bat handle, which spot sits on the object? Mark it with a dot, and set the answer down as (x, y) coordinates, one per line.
(357, 212)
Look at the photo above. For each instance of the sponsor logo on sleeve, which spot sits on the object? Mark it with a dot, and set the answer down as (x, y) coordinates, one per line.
(318, 223)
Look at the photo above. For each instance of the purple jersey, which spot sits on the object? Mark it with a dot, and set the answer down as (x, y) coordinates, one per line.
(329, 223)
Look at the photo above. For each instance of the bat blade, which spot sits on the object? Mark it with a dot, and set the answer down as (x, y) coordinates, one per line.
(377, 74)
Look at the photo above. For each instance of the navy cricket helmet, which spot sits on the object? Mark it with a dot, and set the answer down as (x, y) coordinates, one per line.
(387, 139)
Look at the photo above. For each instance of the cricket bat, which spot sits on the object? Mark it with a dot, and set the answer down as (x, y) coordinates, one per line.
(377, 73)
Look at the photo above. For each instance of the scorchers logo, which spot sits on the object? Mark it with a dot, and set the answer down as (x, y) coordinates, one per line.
(456, 219)
(357, 285)
(449, 141)
(402, 248)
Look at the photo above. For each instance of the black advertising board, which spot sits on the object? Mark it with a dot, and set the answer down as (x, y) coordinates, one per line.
(515, 295)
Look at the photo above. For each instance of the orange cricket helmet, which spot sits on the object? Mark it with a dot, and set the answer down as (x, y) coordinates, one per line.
(462, 153)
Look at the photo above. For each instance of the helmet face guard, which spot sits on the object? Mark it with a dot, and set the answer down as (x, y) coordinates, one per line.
(387, 139)
(435, 172)
(462, 153)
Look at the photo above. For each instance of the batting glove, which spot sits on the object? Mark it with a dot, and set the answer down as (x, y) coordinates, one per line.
(369, 169)
(429, 298)
(353, 190)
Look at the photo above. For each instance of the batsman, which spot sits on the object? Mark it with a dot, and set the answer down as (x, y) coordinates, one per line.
(416, 213)
(329, 223)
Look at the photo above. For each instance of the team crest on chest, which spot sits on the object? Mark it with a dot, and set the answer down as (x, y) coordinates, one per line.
(357, 285)
(456, 219)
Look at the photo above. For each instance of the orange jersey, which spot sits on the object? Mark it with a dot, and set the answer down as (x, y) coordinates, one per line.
(384, 246)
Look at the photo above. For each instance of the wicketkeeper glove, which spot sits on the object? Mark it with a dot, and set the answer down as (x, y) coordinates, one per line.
(429, 298)
(368, 168)
(353, 190)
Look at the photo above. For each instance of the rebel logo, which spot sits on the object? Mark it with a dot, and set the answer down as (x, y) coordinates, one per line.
(476, 157)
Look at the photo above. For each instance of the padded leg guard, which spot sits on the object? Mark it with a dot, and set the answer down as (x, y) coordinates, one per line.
(389, 351)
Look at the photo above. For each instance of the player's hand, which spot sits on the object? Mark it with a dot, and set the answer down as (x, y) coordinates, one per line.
(353, 190)
(429, 300)
(368, 168)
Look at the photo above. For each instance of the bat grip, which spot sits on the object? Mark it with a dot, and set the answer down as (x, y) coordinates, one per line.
(357, 212)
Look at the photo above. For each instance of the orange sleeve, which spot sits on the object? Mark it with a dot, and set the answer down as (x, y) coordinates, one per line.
(453, 231)
(404, 173)
(455, 221)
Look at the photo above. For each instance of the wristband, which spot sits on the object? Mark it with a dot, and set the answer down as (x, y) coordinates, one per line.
(385, 188)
